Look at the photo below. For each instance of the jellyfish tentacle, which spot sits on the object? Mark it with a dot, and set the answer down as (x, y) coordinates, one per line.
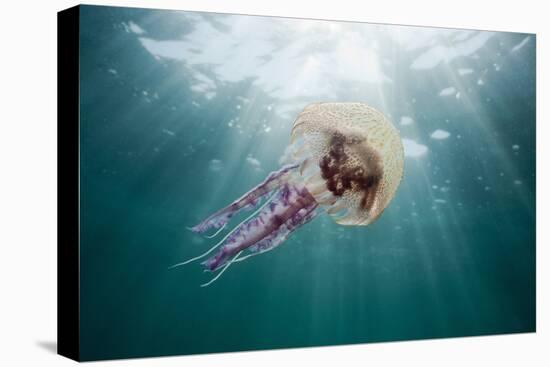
(223, 270)
(249, 200)
(220, 242)
(286, 210)
(217, 232)
(271, 242)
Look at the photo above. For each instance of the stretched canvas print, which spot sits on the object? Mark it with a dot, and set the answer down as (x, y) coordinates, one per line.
(235, 182)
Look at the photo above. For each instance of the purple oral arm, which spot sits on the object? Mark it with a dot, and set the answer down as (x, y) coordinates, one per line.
(276, 238)
(291, 208)
(249, 199)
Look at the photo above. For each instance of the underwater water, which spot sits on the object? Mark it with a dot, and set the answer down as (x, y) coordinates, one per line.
(181, 113)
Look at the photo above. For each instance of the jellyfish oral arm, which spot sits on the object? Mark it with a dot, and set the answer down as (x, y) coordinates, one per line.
(248, 201)
(292, 207)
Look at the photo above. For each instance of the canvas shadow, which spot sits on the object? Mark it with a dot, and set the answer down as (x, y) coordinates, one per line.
(48, 345)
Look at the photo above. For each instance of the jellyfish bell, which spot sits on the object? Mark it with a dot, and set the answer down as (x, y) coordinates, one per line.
(352, 150)
(346, 160)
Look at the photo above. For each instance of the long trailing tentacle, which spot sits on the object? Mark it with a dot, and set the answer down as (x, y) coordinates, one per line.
(214, 234)
(252, 255)
(292, 207)
(223, 270)
(223, 239)
(288, 202)
(275, 239)
(217, 232)
(249, 200)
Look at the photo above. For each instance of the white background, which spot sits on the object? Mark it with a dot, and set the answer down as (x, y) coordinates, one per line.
(28, 183)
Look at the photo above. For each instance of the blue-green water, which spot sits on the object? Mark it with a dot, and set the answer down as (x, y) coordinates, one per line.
(181, 113)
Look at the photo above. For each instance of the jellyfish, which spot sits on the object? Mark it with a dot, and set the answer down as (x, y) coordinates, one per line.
(345, 160)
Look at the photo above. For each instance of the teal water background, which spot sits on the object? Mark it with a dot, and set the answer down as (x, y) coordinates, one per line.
(182, 112)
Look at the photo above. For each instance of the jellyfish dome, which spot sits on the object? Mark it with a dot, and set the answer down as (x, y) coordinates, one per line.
(351, 159)
(345, 159)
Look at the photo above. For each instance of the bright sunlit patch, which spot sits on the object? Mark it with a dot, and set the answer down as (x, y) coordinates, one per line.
(305, 66)
(135, 28)
(447, 91)
(521, 44)
(443, 53)
(465, 71)
(256, 164)
(413, 149)
(168, 132)
(318, 26)
(357, 60)
(406, 120)
(215, 165)
(440, 134)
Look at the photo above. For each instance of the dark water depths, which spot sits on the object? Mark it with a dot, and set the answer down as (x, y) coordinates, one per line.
(183, 113)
